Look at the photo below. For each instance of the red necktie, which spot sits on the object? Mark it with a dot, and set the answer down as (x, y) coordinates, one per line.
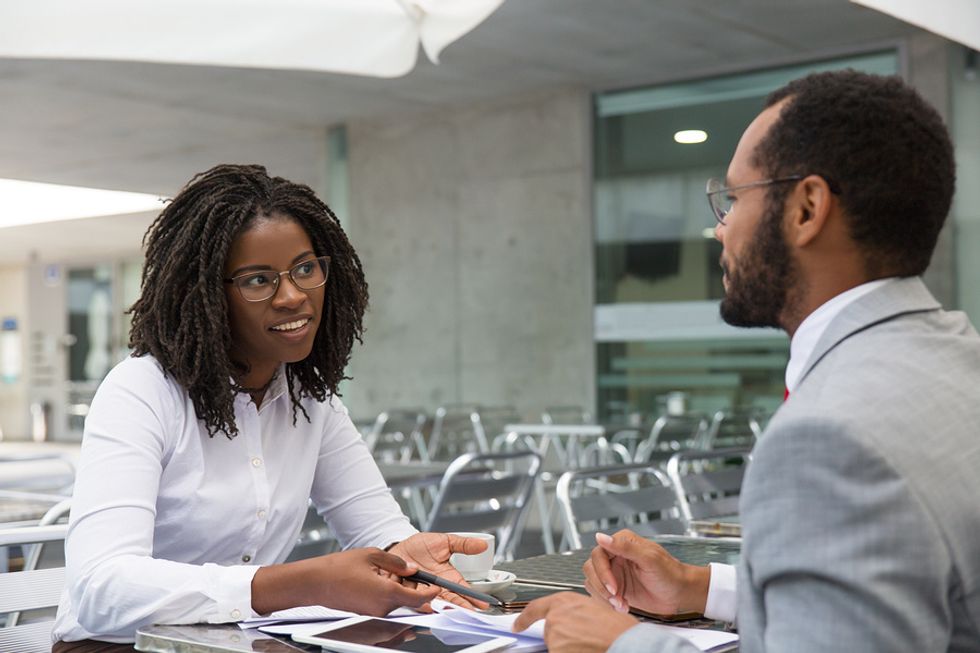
(785, 394)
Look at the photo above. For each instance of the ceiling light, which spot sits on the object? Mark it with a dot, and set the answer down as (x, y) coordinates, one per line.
(28, 202)
(688, 136)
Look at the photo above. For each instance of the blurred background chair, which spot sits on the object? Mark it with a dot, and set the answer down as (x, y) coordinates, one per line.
(566, 415)
(455, 432)
(28, 596)
(733, 428)
(673, 433)
(708, 483)
(398, 436)
(487, 493)
(607, 499)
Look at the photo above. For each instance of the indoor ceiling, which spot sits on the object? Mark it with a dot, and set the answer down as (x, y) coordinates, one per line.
(148, 127)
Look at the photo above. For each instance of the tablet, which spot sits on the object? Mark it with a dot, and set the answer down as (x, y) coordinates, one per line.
(371, 635)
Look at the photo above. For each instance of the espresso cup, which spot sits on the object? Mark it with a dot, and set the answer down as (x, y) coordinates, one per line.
(474, 567)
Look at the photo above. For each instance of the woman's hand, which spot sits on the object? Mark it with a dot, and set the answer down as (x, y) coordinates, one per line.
(629, 571)
(365, 581)
(431, 551)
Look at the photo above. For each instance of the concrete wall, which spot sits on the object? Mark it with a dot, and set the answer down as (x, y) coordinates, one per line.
(474, 228)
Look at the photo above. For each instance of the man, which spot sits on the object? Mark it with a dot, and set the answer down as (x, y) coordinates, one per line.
(861, 508)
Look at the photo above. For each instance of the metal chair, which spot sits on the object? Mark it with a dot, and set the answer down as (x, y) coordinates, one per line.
(454, 432)
(489, 422)
(672, 433)
(732, 428)
(566, 415)
(486, 493)
(397, 436)
(707, 483)
(29, 589)
(600, 499)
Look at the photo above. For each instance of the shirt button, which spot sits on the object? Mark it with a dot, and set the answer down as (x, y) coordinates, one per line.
(256, 462)
(246, 558)
(236, 614)
(261, 514)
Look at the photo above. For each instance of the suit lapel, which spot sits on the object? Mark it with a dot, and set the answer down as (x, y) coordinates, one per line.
(898, 297)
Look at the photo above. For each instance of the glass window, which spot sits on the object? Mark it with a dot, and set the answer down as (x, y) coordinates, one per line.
(658, 282)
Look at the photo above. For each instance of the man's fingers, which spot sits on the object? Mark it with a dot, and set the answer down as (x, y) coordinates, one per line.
(592, 582)
(601, 568)
(535, 611)
(466, 545)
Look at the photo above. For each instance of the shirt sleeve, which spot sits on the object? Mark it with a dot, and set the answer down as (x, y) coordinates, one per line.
(722, 597)
(349, 491)
(646, 638)
(115, 585)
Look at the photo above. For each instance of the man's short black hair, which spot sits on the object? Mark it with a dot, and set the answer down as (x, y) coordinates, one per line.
(882, 147)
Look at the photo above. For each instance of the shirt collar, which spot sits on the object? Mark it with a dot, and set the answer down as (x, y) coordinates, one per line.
(277, 388)
(808, 334)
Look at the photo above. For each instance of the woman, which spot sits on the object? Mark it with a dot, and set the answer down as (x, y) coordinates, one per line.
(202, 449)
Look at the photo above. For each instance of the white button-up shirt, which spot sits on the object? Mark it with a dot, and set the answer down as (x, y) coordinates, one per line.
(165, 519)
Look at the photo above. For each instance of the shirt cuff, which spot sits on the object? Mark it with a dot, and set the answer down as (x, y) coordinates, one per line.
(231, 590)
(721, 603)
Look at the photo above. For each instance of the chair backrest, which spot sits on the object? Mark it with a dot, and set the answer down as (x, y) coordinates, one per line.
(489, 422)
(454, 432)
(486, 493)
(604, 499)
(733, 428)
(708, 483)
(566, 415)
(398, 436)
(29, 589)
(672, 433)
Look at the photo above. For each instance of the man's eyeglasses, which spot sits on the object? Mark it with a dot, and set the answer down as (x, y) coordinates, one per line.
(260, 286)
(720, 199)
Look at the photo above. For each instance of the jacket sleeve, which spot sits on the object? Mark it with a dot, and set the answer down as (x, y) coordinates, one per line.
(839, 553)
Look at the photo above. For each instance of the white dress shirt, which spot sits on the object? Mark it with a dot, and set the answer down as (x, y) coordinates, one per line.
(722, 584)
(168, 525)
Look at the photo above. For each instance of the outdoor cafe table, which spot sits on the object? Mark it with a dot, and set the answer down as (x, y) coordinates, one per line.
(230, 638)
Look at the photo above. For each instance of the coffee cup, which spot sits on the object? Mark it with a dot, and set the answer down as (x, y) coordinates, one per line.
(477, 566)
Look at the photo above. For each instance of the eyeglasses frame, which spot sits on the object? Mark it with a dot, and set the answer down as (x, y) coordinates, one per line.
(326, 275)
(755, 184)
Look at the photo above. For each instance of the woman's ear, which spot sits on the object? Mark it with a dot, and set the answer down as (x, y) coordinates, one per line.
(809, 206)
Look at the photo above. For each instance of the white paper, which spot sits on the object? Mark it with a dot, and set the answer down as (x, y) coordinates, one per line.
(704, 639)
(311, 613)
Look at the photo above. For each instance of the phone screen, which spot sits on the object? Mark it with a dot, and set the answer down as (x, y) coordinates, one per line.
(403, 637)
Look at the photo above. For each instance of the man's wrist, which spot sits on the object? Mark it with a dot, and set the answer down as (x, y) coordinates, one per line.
(697, 581)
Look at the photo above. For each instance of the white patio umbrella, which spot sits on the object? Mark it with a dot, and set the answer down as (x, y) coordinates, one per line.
(362, 37)
(957, 20)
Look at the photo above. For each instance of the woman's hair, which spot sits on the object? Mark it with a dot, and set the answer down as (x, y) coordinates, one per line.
(181, 317)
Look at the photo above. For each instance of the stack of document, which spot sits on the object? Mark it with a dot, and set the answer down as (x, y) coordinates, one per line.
(451, 617)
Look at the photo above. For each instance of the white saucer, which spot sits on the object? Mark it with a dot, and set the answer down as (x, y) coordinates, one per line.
(496, 581)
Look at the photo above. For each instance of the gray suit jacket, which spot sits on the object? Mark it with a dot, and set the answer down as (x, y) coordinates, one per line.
(861, 508)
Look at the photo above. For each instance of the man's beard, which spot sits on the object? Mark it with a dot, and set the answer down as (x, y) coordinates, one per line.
(758, 289)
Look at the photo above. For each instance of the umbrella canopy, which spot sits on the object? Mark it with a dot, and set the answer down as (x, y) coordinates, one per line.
(362, 37)
(957, 20)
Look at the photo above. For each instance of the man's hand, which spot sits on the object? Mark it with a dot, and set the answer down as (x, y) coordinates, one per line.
(366, 581)
(575, 623)
(431, 551)
(629, 571)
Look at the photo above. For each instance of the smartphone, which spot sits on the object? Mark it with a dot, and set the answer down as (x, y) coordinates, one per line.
(372, 635)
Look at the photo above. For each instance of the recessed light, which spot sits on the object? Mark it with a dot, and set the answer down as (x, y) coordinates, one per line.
(689, 136)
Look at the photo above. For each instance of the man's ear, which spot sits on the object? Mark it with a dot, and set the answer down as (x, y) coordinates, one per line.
(809, 207)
